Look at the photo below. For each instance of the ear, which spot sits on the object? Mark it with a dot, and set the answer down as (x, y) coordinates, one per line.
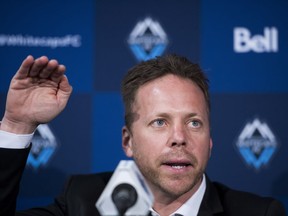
(211, 145)
(127, 142)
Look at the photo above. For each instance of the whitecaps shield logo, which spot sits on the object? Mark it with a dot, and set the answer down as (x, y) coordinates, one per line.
(256, 144)
(147, 40)
(44, 144)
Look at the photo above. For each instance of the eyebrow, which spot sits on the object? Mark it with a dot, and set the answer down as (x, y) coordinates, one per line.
(166, 115)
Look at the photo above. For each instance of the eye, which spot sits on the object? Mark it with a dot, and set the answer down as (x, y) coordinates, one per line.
(195, 123)
(158, 123)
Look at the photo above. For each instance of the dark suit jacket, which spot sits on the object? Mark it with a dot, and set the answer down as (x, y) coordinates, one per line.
(82, 192)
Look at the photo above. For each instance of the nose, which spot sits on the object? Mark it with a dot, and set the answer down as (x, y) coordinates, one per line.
(178, 136)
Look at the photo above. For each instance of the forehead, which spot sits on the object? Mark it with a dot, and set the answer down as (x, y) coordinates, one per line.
(171, 90)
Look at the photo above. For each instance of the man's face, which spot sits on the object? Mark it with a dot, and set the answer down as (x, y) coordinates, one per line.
(170, 137)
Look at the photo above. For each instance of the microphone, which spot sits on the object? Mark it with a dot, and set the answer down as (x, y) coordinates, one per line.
(127, 193)
(124, 196)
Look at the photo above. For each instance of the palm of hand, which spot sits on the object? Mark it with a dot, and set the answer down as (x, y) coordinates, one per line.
(34, 100)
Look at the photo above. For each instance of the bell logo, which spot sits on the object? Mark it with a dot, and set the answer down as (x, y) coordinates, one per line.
(244, 42)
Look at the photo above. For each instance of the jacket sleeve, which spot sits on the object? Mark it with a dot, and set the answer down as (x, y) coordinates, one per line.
(12, 164)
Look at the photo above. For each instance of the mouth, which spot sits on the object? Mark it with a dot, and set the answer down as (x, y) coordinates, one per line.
(177, 164)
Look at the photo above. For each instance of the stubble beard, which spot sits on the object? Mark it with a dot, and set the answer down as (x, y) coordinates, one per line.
(170, 186)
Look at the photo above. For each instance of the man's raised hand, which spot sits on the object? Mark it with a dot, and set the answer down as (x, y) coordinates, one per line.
(38, 92)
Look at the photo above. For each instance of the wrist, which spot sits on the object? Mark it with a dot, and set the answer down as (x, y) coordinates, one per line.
(17, 127)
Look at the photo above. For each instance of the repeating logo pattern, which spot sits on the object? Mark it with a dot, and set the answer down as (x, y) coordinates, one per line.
(257, 144)
(44, 144)
(147, 39)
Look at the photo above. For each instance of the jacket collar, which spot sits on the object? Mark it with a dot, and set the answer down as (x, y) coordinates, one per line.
(211, 203)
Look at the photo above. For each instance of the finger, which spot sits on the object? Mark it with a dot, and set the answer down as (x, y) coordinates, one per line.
(64, 86)
(24, 69)
(57, 74)
(65, 90)
(49, 69)
(38, 65)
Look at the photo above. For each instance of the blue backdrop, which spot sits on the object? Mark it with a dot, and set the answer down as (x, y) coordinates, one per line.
(241, 45)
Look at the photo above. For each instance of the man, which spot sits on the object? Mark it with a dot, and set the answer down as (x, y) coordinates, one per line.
(166, 132)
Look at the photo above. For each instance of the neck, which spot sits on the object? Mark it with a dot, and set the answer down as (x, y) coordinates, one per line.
(166, 203)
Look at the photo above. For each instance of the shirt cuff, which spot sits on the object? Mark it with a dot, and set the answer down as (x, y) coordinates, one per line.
(14, 141)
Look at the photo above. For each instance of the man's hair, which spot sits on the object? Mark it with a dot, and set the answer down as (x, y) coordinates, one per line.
(155, 68)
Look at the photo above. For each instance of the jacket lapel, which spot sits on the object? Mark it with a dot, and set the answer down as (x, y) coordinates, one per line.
(211, 204)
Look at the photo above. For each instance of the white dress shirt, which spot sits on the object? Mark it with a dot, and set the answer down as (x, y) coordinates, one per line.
(14, 141)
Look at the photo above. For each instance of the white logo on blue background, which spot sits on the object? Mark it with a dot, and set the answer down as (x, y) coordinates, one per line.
(256, 144)
(147, 40)
(245, 42)
(44, 144)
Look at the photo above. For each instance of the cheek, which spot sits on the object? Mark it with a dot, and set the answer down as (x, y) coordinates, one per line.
(205, 153)
(202, 148)
(147, 144)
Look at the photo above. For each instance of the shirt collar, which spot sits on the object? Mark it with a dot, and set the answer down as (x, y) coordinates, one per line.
(192, 205)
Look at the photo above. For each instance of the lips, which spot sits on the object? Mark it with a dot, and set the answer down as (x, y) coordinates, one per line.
(178, 164)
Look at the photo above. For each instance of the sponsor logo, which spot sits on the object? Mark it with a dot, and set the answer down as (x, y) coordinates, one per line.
(256, 144)
(44, 144)
(147, 40)
(244, 41)
(20, 40)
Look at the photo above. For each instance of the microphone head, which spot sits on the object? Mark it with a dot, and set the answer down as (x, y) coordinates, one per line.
(124, 196)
